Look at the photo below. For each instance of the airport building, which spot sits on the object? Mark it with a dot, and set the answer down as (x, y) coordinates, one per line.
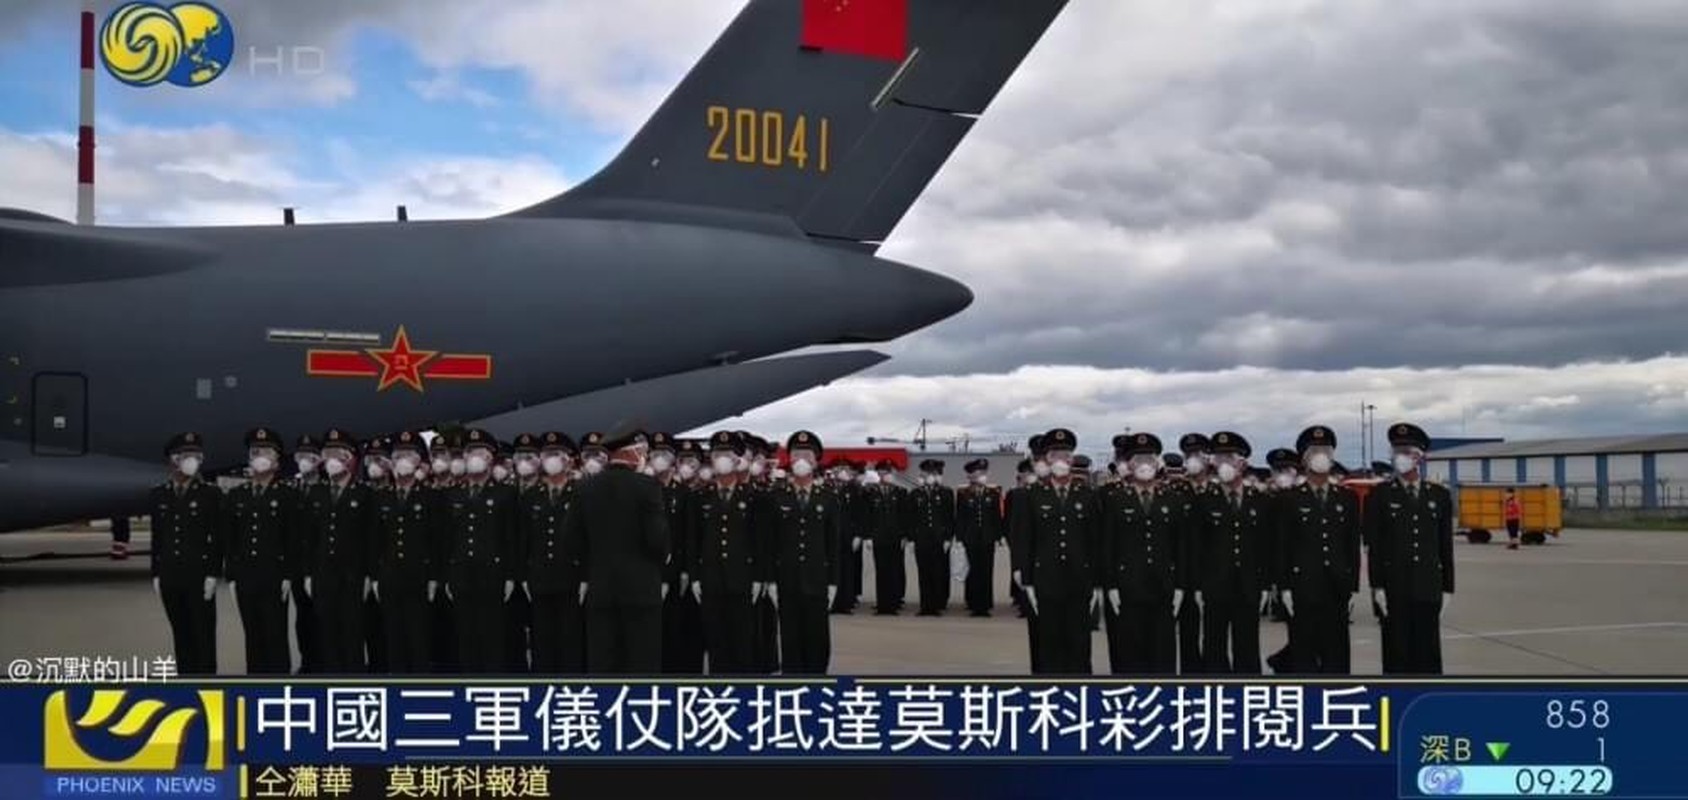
(1605, 472)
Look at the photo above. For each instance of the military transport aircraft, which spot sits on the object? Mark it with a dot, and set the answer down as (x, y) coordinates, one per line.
(738, 224)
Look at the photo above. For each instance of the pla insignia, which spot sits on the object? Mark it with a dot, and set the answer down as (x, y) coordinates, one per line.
(489, 502)
(417, 508)
(397, 364)
(274, 504)
(354, 504)
(193, 504)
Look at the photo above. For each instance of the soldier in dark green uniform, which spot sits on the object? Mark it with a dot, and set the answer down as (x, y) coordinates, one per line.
(1233, 549)
(1319, 559)
(802, 523)
(661, 466)
(885, 515)
(1279, 483)
(378, 475)
(187, 554)
(551, 574)
(724, 573)
(259, 520)
(521, 471)
(1193, 483)
(932, 526)
(407, 524)
(758, 478)
(1028, 477)
(307, 459)
(682, 648)
(1059, 524)
(979, 527)
(1409, 534)
(1143, 524)
(338, 549)
(482, 556)
(841, 481)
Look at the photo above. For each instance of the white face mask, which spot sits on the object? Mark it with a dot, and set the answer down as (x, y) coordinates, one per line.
(374, 471)
(500, 472)
(261, 465)
(757, 468)
(742, 464)
(1061, 469)
(594, 466)
(1030, 479)
(307, 463)
(1227, 472)
(978, 478)
(662, 462)
(188, 465)
(442, 465)
(476, 464)
(1040, 468)
(1319, 463)
(1194, 465)
(870, 478)
(1404, 463)
(803, 468)
(458, 466)
(724, 464)
(335, 467)
(1144, 472)
(553, 465)
(525, 467)
(688, 470)
(1283, 480)
(404, 467)
(705, 474)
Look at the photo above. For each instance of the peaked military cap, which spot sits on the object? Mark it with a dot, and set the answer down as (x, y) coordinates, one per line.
(186, 442)
(1173, 460)
(1137, 444)
(805, 440)
(1059, 439)
(1261, 473)
(592, 441)
(628, 439)
(690, 447)
(335, 437)
(265, 437)
(475, 437)
(447, 441)
(1229, 442)
(375, 447)
(933, 466)
(1081, 462)
(1024, 467)
(1406, 434)
(661, 441)
(306, 443)
(1280, 457)
(525, 443)
(1035, 444)
(1315, 436)
(556, 440)
(407, 440)
(885, 465)
(1194, 443)
(726, 440)
(979, 465)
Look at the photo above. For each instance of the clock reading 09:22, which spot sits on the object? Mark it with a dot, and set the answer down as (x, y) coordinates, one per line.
(1562, 781)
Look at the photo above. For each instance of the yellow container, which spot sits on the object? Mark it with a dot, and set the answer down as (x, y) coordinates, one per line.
(1482, 510)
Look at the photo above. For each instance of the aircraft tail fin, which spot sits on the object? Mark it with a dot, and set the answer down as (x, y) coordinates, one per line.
(834, 115)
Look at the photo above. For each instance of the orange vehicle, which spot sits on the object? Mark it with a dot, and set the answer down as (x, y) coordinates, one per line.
(1482, 511)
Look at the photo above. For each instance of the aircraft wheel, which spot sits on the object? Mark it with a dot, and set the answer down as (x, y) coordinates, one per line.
(1478, 536)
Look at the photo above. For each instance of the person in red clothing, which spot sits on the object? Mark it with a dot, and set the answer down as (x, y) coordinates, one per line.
(1514, 517)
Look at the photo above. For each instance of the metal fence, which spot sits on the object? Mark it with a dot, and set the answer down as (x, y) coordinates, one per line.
(1624, 494)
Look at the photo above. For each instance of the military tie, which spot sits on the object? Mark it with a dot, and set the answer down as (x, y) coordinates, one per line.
(803, 499)
(334, 493)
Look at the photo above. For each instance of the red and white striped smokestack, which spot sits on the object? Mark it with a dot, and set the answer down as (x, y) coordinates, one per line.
(85, 123)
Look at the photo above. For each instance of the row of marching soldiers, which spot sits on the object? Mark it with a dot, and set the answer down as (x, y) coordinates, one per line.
(452, 557)
(1182, 555)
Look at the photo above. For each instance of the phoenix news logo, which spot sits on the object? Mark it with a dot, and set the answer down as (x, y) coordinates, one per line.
(162, 750)
(188, 44)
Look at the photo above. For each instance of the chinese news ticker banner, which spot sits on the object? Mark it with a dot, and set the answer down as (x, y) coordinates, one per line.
(501, 738)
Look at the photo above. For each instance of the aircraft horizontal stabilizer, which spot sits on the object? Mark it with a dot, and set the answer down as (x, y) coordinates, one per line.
(684, 401)
(48, 252)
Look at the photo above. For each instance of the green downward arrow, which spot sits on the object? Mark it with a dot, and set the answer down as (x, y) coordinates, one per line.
(1498, 749)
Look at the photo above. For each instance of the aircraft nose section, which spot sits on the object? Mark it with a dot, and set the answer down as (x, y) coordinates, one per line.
(935, 297)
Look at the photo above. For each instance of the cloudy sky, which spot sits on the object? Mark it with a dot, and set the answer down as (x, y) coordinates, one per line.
(1244, 214)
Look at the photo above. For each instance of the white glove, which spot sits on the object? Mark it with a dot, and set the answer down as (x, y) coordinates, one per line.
(433, 588)
(685, 580)
(831, 594)
(908, 546)
(946, 547)
(867, 544)
(1447, 600)
(509, 589)
(1200, 606)
(308, 588)
(1113, 599)
(368, 586)
(1095, 600)
(1350, 606)
(231, 591)
(448, 594)
(856, 544)
(664, 590)
(697, 591)
(375, 590)
(1289, 602)
(1016, 578)
(157, 588)
(584, 587)
(1265, 600)
(1381, 601)
(526, 592)
(1177, 601)
(286, 591)
(210, 588)
(755, 591)
(774, 595)
(1031, 598)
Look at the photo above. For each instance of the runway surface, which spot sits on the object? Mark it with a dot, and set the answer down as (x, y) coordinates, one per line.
(1592, 602)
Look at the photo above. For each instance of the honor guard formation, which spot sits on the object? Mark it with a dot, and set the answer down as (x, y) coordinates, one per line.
(648, 554)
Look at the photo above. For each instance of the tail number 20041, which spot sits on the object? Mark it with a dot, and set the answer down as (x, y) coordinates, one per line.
(768, 138)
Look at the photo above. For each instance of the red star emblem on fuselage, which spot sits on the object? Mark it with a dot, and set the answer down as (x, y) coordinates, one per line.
(401, 364)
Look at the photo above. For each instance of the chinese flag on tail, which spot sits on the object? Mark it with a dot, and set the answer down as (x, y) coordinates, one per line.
(872, 28)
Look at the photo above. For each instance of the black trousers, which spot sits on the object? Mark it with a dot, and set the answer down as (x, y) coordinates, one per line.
(729, 630)
(624, 640)
(931, 567)
(1318, 637)
(518, 617)
(1063, 634)
(120, 529)
(682, 633)
(193, 625)
(888, 577)
(1231, 634)
(980, 587)
(407, 626)
(444, 629)
(857, 566)
(767, 637)
(375, 636)
(849, 577)
(805, 633)
(1190, 660)
(1141, 638)
(304, 628)
(478, 622)
(263, 619)
(559, 633)
(1412, 637)
(339, 607)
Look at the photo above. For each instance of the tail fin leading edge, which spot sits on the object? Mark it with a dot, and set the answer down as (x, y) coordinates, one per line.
(840, 143)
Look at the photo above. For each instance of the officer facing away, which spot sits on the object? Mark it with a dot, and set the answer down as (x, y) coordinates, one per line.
(618, 524)
(187, 555)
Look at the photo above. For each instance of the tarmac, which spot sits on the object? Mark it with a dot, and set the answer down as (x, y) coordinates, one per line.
(1590, 602)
